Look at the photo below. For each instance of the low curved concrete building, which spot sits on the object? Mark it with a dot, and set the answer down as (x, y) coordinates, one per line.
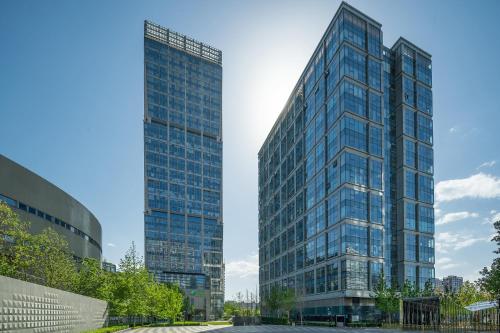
(45, 205)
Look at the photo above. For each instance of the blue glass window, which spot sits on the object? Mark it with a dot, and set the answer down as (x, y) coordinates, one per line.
(374, 41)
(352, 64)
(424, 132)
(333, 209)
(376, 242)
(333, 142)
(309, 253)
(426, 189)
(352, 29)
(353, 204)
(353, 133)
(409, 153)
(411, 274)
(354, 275)
(424, 69)
(376, 208)
(375, 107)
(375, 140)
(410, 186)
(409, 122)
(299, 258)
(374, 74)
(426, 274)
(410, 247)
(321, 248)
(410, 215)
(424, 99)
(375, 274)
(332, 177)
(332, 110)
(333, 75)
(332, 277)
(332, 42)
(333, 243)
(320, 217)
(354, 239)
(425, 219)
(310, 137)
(353, 98)
(320, 155)
(425, 159)
(353, 169)
(408, 91)
(376, 174)
(426, 249)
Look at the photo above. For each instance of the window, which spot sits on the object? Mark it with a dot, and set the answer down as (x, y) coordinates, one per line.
(332, 277)
(354, 239)
(410, 185)
(375, 106)
(353, 98)
(426, 276)
(310, 224)
(424, 99)
(410, 247)
(376, 242)
(352, 29)
(376, 174)
(354, 275)
(374, 40)
(320, 280)
(309, 282)
(321, 248)
(332, 42)
(353, 169)
(309, 253)
(426, 189)
(409, 122)
(424, 132)
(332, 143)
(310, 165)
(353, 133)
(299, 232)
(375, 140)
(332, 177)
(426, 249)
(408, 91)
(8, 201)
(333, 243)
(333, 75)
(424, 70)
(376, 208)
(376, 269)
(411, 274)
(425, 219)
(374, 72)
(352, 64)
(310, 137)
(320, 155)
(407, 60)
(299, 258)
(425, 159)
(410, 215)
(409, 153)
(320, 217)
(333, 209)
(353, 204)
(332, 109)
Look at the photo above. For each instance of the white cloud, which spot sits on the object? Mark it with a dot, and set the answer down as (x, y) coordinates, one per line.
(453, 217)
(446, 241)
(495, 216)
(243, 268)
(111, 244)
(487, 164)
(445, 263)
(453, 129)
(482, 186)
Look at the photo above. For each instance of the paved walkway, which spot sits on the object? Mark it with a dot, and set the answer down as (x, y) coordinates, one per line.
(259, 329)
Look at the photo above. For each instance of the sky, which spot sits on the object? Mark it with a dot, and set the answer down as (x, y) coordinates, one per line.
(71, 106)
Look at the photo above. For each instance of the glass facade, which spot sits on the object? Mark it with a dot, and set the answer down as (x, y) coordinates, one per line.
(183, 162)
(348, 166)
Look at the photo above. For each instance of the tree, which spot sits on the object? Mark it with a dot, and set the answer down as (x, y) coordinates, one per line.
(490, 277)
(273, 301)
(93, 281)
(469, 293)
(386, 298)
(409, 290)
(287, 301)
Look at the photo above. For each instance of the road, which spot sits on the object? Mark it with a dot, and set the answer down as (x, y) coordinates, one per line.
(259, 329)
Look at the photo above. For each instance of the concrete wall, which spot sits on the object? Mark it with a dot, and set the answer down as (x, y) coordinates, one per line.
(27, 307)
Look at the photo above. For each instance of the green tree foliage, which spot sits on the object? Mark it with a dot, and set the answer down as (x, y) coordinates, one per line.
(490, 277)
(280, 301)
(386, 298)
(46, 258)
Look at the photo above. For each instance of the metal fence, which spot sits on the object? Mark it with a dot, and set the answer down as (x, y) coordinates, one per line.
(445, 314)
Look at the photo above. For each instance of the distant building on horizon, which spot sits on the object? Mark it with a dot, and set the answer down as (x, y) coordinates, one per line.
(183, 225)
(438, 285)
(45, 205)
(108, 266)
(346, 187)
(452, 283)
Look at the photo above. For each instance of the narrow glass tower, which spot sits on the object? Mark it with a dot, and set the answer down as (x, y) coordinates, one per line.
(183, 166)
(346, 174)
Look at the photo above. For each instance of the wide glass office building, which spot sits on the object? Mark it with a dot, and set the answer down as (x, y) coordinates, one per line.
(183, 166)
(346, 174)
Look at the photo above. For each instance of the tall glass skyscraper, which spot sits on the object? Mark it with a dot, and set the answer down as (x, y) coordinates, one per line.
(183, 166)
(346, 174)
